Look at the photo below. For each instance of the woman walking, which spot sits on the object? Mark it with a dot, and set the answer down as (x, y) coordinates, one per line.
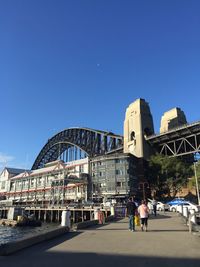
(143, 211)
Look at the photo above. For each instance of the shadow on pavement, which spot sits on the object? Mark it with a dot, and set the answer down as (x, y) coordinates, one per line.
(168, 230)
(139, 230)
(159, 216)
(76, 259)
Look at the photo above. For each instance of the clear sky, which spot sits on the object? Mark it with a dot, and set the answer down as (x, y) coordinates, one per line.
(66, 63)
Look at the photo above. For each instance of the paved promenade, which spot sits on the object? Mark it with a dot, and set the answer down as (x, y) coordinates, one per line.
(167, 243)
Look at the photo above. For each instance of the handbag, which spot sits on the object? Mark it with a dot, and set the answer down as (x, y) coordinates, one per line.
(137, 220)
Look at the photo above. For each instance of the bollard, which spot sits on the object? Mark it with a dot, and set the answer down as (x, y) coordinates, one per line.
(181, 209)
(96, 214)
(112, 211)
(66, 220)
(192, 219)
(190, 223)
(185, 212)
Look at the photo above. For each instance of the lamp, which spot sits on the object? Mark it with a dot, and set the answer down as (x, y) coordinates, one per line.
(142, 186)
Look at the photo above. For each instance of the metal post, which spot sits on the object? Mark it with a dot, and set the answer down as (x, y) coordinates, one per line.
(143, 191)
(143, 188)
(197, 185)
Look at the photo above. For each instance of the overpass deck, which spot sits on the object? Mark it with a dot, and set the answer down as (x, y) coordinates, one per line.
(180, 141)
(167, 243)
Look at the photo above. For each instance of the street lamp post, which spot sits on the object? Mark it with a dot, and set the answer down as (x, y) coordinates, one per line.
(197, 184)
(143, 185)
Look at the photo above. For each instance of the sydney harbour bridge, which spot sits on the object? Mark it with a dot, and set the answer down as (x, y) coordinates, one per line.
(76, 143)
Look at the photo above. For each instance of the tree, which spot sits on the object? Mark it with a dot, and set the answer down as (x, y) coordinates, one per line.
(156, 175)
(193, 180)
(167, 175)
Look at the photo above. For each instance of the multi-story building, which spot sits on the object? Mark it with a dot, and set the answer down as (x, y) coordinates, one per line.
(99, 178)
(57, 183)
(114, 176)
(5, 177)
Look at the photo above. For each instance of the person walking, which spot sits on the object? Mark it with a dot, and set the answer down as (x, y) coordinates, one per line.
(143, 211)
(130, 213)
(154, 203)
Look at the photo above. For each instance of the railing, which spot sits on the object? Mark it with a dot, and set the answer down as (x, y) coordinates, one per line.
(192, 218)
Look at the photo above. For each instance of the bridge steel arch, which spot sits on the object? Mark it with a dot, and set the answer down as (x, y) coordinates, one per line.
(92, 142)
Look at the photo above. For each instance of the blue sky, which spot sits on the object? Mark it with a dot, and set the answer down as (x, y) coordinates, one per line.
(82, 62)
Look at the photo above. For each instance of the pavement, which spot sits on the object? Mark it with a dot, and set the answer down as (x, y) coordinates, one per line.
(167, 243)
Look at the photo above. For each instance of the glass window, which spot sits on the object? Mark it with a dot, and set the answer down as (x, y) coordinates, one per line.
(119, 184)
(3, 185)
(32, 182)
(119, 172)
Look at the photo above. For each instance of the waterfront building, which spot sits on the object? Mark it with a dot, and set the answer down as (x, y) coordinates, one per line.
(55, 184)
(5, 176)
(112, 176)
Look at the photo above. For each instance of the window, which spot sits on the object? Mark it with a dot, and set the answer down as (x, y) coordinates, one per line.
(24, 184)
(118, 184)
(40, 181)
(119, 172)
(12, 185)
(103, 184)
(3, 185)
(119, 160)
(32, 182)
(81, 168)
(132, 136)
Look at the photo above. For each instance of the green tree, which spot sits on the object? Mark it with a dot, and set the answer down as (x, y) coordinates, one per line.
(193, 180)
(156, 175)
(167, 175)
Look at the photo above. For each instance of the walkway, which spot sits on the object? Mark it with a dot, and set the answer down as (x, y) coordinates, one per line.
(167, 243)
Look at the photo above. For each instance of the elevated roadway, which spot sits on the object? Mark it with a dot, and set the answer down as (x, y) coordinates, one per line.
(180, 141)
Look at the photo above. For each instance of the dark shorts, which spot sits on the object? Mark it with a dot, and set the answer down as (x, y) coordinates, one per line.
(144, 221)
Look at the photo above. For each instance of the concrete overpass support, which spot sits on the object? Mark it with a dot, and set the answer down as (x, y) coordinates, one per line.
(138, 123)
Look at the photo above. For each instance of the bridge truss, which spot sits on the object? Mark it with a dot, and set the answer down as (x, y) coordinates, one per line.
(181, 141)
(76, 143)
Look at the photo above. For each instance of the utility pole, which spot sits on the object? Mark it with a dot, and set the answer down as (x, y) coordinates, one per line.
(143, 185)
(197, 184)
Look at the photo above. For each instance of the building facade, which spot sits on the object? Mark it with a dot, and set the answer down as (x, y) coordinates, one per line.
(5, 177)
(55, 184)
(114, 176)
(100, 178)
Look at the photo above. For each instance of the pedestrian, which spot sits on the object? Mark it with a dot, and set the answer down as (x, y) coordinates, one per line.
(150, 206)
(130, 213)
(143, 211)
(154, 203)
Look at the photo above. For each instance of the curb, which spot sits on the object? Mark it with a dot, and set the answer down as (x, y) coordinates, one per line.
(12, 247)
